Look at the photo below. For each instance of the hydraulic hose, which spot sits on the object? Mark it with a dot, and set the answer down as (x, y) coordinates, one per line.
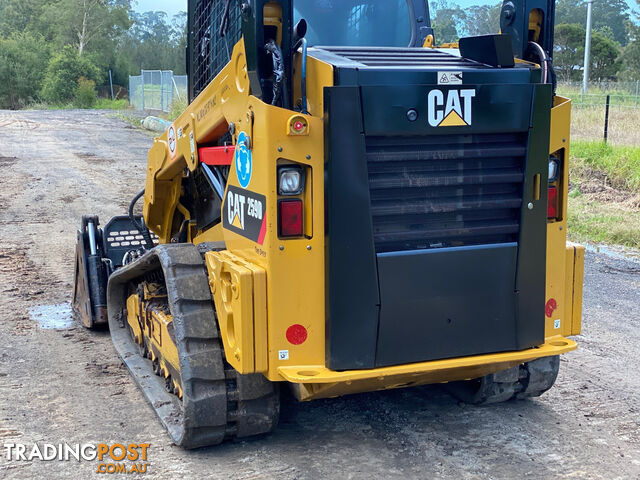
(303, 89)
(545, 61)
(278, 70)
(144, 231)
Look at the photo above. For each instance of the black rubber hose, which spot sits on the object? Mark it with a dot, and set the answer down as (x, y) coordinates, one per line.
(144, 231)
(224, 26)
(278, 70)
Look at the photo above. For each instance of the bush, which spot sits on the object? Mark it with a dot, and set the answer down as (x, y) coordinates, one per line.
(63, 74)
(177, 108)
(85, 94)
(22, 57)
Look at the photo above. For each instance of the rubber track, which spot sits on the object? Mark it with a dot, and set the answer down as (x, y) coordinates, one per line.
(528, 380)
(218, 404)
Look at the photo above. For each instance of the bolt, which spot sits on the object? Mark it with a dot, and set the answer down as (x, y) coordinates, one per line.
(530, 206)
(280, 149)
(308, 157)
(412, 115)
(308, 247)
(282, 248)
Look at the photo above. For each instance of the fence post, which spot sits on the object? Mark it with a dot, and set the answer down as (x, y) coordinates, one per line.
(111, 84)
(161, 91)
(606, 120)
(637, 91)
(143, 86)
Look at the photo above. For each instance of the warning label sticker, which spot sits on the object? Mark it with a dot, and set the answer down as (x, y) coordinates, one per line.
(449, 78)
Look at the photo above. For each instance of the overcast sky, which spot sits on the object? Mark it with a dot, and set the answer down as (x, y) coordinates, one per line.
(170, 6)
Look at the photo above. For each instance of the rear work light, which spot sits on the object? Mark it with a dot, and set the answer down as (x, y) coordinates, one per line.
(290, 218)
(290, 180)
(552, 209)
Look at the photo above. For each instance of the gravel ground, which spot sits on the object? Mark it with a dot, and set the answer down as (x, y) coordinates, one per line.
(67, 384)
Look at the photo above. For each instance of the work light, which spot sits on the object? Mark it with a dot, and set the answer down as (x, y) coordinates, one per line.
(554, 169)
(290, 181)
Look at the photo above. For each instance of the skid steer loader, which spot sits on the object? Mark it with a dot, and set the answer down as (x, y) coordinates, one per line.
(343, 208)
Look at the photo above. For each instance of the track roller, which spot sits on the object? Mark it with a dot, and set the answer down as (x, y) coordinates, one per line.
(217, 403)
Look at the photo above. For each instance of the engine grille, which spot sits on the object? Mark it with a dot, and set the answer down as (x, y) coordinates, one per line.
(209, 53)
(403, 57)
(444, 191)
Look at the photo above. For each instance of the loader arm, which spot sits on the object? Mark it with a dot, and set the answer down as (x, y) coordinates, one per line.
(206, 120)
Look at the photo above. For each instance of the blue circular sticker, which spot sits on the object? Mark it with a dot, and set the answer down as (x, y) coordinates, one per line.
(244, 163)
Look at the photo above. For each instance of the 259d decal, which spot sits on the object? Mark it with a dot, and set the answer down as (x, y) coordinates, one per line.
(244, 213)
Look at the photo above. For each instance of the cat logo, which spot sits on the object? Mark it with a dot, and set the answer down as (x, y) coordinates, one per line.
(452, 108)
(244, 213)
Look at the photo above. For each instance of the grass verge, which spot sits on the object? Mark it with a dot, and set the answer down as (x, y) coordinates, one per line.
(101, 104)
(604, 198)
(588, 124)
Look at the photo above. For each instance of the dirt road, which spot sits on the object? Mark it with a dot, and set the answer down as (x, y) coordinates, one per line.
(67, 385)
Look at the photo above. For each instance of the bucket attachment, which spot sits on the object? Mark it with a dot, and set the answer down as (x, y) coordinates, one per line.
(90, 275)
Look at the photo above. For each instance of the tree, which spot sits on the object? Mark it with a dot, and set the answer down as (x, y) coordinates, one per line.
(609, 14)
(18, 16)
(568, 51)
(605, 64)
(482, 19)
(447, 20)
(154, 43)
(86, 24)
(22, 56)
(63, 74)
(631, 53)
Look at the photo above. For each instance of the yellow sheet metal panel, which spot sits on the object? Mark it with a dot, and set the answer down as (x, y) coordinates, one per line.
(567, 327)
(467, 367)
(133, 313)
(232, 288)
(313, 391)
(558, 306)
(556, 319)
(578, 282)
(295, 279)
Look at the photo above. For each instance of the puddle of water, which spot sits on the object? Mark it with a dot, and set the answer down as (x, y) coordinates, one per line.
(53, 317)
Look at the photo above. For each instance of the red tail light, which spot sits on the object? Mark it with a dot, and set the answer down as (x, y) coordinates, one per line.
(290, 218)
(552, 209)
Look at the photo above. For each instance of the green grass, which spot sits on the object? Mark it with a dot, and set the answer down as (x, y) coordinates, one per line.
(604, 201)
(620, 164)
(177, 107)
(106, 104)
(101, 104)
(601, 222)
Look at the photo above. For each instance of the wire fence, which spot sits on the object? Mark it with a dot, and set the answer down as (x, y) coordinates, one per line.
(621, 94)
(157, 90)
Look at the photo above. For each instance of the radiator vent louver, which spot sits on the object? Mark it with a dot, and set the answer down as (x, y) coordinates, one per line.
(445, 191)
(403, 57)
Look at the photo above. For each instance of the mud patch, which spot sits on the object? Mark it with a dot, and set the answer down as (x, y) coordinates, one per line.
(21, 278)
(69, 198)
(7, 161)
(91, 158)
(53, 317)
